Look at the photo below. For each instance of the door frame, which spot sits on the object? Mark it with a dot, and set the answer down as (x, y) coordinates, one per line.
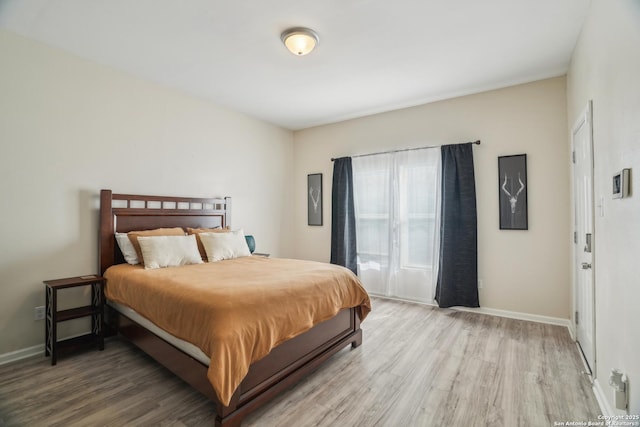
(585, 117)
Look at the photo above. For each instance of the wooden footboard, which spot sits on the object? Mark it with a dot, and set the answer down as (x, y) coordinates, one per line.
(268, 377)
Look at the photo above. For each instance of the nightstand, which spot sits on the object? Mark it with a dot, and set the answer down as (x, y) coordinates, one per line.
(261, 254)
(53, 316)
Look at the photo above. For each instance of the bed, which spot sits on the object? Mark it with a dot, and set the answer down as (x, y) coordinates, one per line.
(285, 364)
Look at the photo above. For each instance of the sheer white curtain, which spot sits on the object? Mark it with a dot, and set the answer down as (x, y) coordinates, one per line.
(397, 206)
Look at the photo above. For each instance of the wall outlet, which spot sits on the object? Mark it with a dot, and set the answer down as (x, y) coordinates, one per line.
(480, 283)
(39, 313)
(620, 384)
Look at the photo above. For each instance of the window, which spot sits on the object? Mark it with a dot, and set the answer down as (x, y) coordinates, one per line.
(396, 199)
(372, 216)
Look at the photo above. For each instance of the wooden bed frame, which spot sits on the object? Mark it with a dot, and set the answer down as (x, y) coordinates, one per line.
(268, 377)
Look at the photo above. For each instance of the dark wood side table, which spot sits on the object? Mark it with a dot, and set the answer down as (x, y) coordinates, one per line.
(53, 316)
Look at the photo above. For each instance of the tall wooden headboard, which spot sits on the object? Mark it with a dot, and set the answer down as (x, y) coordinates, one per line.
(128, 212)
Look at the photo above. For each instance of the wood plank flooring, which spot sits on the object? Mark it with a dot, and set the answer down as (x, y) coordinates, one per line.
(417, 366)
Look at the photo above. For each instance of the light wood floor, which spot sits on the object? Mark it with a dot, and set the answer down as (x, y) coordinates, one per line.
(417, 366)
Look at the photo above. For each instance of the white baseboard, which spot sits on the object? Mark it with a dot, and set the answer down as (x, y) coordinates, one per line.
(500, 313)
(22, 354)
(519, 316)
(603, 402)
(572, 330)
(31, 351)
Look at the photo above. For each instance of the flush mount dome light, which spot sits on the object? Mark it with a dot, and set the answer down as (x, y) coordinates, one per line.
(299, 40)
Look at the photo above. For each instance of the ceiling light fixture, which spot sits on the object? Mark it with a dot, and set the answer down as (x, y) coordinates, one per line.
(299, 40)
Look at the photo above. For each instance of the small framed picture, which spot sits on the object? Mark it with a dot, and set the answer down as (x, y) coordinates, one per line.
(512, 190)
(314, 199)
(621, 184)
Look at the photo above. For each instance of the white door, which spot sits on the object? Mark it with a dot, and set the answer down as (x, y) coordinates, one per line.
(584, 240)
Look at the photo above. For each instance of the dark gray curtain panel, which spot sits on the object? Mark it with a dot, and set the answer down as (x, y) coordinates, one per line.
(458, 271)
(343, 218)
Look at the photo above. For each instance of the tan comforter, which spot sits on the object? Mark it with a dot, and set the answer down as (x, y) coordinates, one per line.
(237, 310)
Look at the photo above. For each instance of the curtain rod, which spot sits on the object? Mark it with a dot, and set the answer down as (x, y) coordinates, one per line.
(406, 149)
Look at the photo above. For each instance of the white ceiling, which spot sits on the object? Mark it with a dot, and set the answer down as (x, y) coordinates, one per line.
(373, 55)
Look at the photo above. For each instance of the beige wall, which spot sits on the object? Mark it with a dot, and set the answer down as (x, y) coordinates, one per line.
(523, 271)
(69, 127)
(606, 69)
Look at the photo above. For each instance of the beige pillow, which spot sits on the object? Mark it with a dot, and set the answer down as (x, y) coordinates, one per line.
(197, 232)
(221, 246)
(169, 251)
(133, 236)
(127, 249)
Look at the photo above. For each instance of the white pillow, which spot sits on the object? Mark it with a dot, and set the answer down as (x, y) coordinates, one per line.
(127, 249)
(221, 246)
(169, 251)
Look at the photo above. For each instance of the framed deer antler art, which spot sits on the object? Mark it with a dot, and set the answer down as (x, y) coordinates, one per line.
(512, 188)
(314, 199)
